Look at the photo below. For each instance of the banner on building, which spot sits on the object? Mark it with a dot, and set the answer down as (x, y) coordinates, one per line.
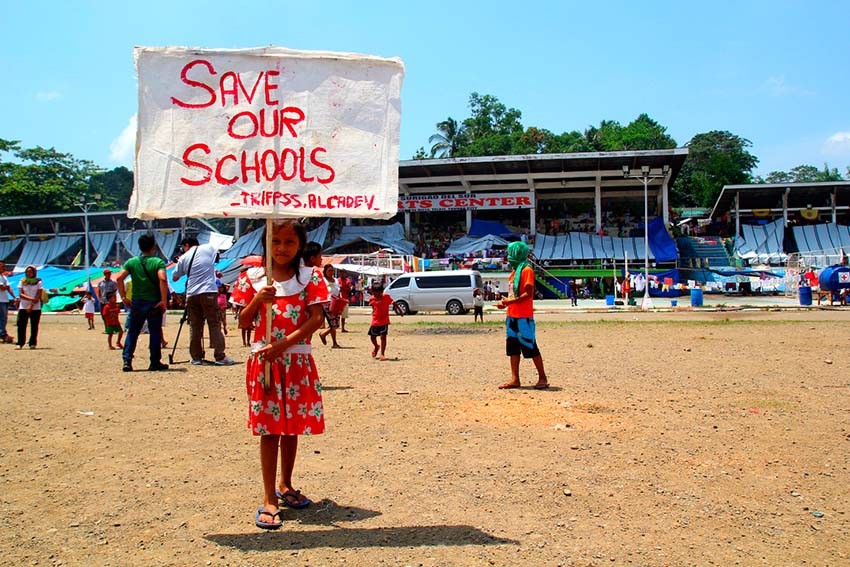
(463, 201)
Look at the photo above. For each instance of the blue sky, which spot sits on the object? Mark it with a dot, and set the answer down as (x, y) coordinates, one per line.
(776, 73)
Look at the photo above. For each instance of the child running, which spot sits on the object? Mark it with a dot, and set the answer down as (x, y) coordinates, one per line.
(111, 320)
(381, 303)
(287, 401)
(519, 323)
(88, 309)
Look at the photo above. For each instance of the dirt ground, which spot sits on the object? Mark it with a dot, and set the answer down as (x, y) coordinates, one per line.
(668, 439)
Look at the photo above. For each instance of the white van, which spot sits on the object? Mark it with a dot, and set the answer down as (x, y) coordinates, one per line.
(449, 290)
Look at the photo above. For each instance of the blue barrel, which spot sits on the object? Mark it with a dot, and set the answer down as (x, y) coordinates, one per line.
(674, 303)
(609, 300)
(805, 295)
(696, 297)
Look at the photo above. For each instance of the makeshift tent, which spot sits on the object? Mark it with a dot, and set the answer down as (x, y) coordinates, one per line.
(218, 240)
(319, 234)
(385, 236)
(180, 285)
(248, 244)
(584, 246)
(41, 252)
(761, 242)
(469, 245)
(130, 240)
(102, 243)
(661, 244)
(825, 241)
(483, 228)
(252, 243)
(367, 270)
(8, 247)
(166, 241)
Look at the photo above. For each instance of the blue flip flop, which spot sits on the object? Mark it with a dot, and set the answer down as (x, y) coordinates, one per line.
(300, 501)
(268, 525)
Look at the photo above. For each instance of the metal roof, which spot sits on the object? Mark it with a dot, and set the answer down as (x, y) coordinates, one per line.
(99, 221)
(769, 196)
(551, 176)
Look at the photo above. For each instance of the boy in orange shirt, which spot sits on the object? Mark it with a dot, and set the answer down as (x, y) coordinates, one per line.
(519, 322)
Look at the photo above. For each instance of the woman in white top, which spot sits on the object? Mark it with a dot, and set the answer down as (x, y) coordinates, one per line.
(29, 311)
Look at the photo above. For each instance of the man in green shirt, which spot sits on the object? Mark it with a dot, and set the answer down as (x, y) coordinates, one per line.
(150, 299)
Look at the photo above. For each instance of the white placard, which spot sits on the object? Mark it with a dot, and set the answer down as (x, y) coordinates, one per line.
(266, 132)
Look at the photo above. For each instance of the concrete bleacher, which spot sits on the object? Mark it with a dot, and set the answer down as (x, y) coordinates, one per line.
(702, 252)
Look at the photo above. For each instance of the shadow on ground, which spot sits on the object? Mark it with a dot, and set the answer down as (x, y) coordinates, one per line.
(340, 537)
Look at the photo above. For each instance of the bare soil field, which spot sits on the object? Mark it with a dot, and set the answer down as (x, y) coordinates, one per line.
(677, 438)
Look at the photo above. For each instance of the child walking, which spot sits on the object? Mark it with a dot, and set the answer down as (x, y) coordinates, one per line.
(285, 401)
(519, 323)
(88, 309)
(477, 305)
(111, 320)
(381, 303)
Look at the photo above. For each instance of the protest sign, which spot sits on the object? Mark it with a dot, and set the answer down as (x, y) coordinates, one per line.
(266, 132)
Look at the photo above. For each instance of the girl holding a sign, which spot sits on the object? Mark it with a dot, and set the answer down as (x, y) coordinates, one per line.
(285, 395)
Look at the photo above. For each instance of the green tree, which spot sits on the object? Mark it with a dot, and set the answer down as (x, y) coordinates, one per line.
(449, 137)
(115, 187)
(608, 137)
(420, 153)
(804, 174)
(491, 129)
(644, 133)
(715, 159)
(42, 180)
(777, 177)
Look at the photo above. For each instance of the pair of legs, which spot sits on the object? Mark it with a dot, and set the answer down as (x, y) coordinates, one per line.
(479, 312)
(32, 318)
(521, 340)
(333, 323)
(269, 445)
(200, 309)
(90, 321)
(118, 343)
(542, 381)
(4, 316)
(141, 312)
(383, 346)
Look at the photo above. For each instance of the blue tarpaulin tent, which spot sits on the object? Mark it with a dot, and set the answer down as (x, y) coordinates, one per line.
(483, 228)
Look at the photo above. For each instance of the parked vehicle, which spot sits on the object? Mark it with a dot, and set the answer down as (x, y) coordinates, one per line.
(449, 290)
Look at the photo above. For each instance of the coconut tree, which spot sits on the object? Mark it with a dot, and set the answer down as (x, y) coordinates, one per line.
(448, 139)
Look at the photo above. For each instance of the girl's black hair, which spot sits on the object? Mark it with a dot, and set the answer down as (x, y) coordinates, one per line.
(301, 233)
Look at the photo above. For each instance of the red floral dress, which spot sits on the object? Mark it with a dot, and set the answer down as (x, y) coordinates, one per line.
(293, 403)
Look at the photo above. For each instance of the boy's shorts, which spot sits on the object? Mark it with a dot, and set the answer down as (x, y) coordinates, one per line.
(113, 329)
(90, 316)
(378, 330)
(478, 310)
(521, 337)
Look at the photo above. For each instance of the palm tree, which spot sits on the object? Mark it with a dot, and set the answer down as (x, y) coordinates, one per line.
(449, 137)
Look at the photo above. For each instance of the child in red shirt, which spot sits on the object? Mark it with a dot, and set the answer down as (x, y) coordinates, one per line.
(111, 311)
(381, 303)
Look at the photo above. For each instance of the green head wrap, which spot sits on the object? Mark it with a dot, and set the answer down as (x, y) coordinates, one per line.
(518, 259)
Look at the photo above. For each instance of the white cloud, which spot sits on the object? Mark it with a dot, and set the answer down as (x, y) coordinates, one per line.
(122, 148)
(47, 96)
(777, 86)
(837, 145)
